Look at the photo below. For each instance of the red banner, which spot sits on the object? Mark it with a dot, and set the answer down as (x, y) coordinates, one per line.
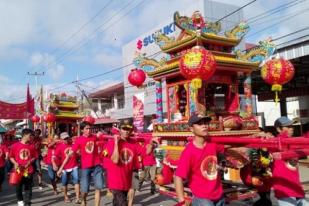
(18, 111)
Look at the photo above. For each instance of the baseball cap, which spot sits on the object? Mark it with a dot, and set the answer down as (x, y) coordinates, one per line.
(283, 122)
(196, 118)
(64, 135)
(126, 123)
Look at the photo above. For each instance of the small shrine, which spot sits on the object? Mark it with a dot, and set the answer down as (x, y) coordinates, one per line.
(66, 112)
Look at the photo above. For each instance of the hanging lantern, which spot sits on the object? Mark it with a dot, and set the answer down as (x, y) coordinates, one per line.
(89, 119)
(197, 64)
(49, 117)
(35, 118)
(277, 72)
(137, 77)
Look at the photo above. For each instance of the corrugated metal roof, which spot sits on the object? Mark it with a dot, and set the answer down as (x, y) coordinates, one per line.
(295, 48)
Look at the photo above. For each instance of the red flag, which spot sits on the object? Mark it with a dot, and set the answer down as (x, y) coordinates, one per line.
(30, 103)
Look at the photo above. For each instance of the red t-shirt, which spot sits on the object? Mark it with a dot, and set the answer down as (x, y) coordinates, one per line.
(148, 159)
(51, 154)
(119, 176)
(61, 152)
(88, 151)
(3, 151)
(37, 143)
(22, 154)
(199, 166)
(101, 143)
(286, 181)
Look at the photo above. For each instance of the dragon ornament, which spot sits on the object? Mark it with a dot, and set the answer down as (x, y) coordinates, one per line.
(161, 39)
(147, 64)
(258, 53)
(239, 31)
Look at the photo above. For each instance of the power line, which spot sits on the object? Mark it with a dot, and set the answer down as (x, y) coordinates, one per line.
(81, 43)
(274, 11)
(83, 26)
(236, 10)
(116, 69)
(78, 30)
(280, 21)
(104, 73)
(270, 12)
(289, 34)
(293, 39)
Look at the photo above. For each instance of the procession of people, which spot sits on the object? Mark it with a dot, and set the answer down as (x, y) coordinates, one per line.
(122, 164)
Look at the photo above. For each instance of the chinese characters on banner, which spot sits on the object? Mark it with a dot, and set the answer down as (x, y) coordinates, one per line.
(138, 111)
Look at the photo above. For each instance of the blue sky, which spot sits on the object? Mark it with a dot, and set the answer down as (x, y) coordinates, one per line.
(69, 38)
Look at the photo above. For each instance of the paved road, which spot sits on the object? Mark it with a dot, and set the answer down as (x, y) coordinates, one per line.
(143, 198)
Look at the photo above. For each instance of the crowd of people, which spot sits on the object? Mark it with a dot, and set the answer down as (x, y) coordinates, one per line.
(117, 163)
(114, 163)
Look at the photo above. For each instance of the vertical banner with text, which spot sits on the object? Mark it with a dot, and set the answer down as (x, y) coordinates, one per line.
(138, 111)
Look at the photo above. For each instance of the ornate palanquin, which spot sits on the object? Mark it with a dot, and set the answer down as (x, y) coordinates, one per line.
(218, 96)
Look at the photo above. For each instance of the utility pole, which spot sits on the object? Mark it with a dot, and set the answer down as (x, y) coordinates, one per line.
(36, 74)
(83, 94)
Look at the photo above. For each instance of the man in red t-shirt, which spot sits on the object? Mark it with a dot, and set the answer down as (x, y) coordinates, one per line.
(87, 147)
(286, 181)
(22, 155)
(37, 143)
(3, 157)
(198, 164)
(52, 162)
(122, 153)
(149, 163)
(68, 166)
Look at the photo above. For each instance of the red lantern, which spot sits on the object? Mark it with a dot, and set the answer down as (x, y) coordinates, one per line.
(137, 77)
(89, 119)
(277, 72)
(35, 118)
(197, 64)
(49, 117)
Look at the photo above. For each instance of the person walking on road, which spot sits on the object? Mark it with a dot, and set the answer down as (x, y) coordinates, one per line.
(22, 155)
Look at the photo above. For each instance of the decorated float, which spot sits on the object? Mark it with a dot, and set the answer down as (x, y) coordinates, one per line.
(204, 73)
(63, 114)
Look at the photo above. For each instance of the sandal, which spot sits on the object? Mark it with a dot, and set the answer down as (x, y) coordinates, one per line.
(67, 200)
(78, 201)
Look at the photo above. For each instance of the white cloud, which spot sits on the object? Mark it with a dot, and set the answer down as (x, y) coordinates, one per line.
(4, 79)
(11, 92)
(18, 22)
(108, 58)
(54, 69)
(9, 53)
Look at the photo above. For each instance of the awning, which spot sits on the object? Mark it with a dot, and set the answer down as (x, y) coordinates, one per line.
(19, 124)
(105, 120)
